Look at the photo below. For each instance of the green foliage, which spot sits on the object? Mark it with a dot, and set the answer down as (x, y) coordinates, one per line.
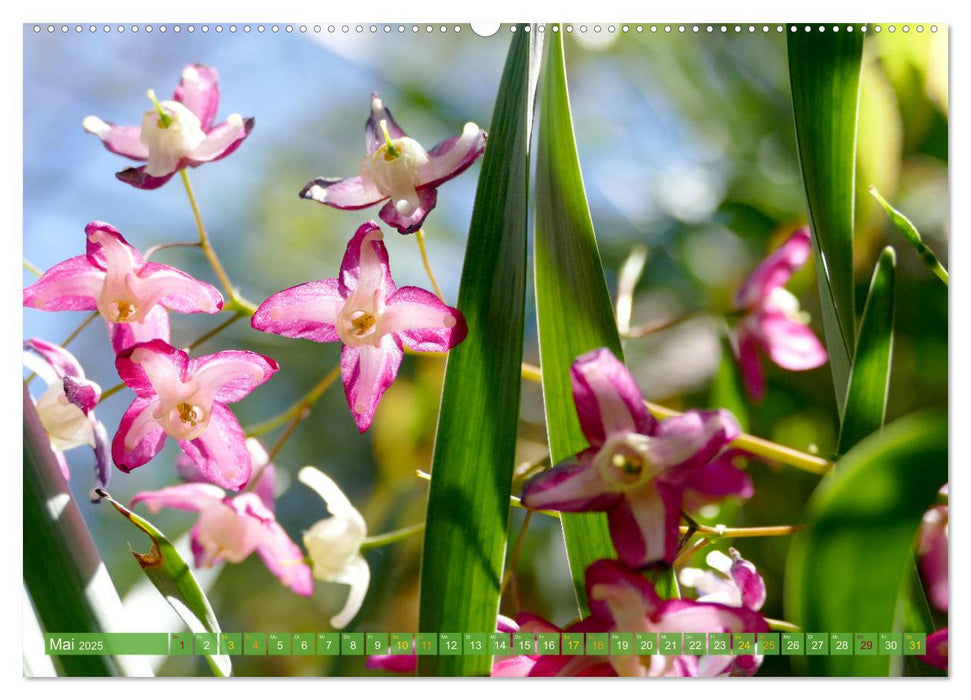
(846, 571)
(910, 232)
(475, 447)
(824, 73)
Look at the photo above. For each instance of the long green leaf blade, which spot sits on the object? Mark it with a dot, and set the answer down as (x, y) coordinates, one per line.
(67, 581)
(846, 571)
(468, 501)
(824, 73)
(573, 309)
(166, 569)
(910, 232)
(866, 398)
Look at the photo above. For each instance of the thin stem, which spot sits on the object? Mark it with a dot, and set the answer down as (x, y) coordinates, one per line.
(514, 558)
(113, 390)
(646, 329)
(782, 625)
(218, 329)
(386, 538)
(156, 248)
(420, 237)
(235, 301)
(514, 501)
(309, 399)
(685, 555)
(722, 532)
(32, 268)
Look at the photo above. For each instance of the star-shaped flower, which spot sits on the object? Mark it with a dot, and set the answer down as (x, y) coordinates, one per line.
(398, 169)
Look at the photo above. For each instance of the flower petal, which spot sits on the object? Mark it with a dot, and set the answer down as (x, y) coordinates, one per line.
(775, 270)
(715, 481)
(222, 140)
(102, 451)
(285, 559)
(124, 140)
(337, 503)
(409, 219)
(749, 363)
(229, 375)
(139, 179)
(393, 663)
(452, 156)
(937, 648)
(607, 398)
(790, 344)
(364, 268)
(614, 591)
(748, 580)
(220, 452)
(423, 321)
(151, 368)
(155, 326)
(60, 360)
(178, 291)
(193, 497)
(357, 575)
(139, 438)
(265, 487)
(932, 549)
(690, 440)
(367, 372)
(305, 311)
(373, 133)
(691, 616)
(71, 285)
(347, 193)
(199, 91)
(572, 486)
(644, 525)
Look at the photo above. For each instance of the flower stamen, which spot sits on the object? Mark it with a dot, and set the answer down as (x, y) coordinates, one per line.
(164, 120)
(390, 152)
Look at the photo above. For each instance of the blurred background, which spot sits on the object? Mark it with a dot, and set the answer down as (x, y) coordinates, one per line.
(687, 147)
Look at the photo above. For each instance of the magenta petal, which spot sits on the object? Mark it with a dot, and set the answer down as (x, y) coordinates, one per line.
(644, 525)
(81, 393)
(453, 156)
(715, 481)
(367, 372)
(157, 360)
(192, 497)
(691, 440)
(608, 572)
(199, 91)
(306, 311)
(139, 437)
(365, 267)
(139, 179)
(775, 270)
(749, 363)
(607, 398)
(347, 193)
(393, 663)
(423, 321)
(411, 221)
(63, 362)
(155, 326)
(185, 294)
(71, 285)
(690, 616)
(572, 486)
(932, 549)
(230, 375)
(749, 582)
(124, 140)
(373, 133)
(95, 249)
(790, 344)
(937, 649)
(220, 452)
(285, 559)
(102, 452)
(512, 666)
(221, 141)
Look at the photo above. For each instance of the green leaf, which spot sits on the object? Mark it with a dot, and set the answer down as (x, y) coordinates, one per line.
(174, 580)
(67, 581)
(866, 398)
(910, 232)
(475, 446)
(573, 309)
(845, 572)
(824, 73)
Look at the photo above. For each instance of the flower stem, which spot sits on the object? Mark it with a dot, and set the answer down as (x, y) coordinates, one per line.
(685, 555)
(110, 392)
(32, 268)
(722, 532)
(156, 248)
(646, 329)
(514, 558)
(782, 625)
(295, 411)
(420, 237)
(386, 538)
(235, 301)
(514, 501)
(218, 329)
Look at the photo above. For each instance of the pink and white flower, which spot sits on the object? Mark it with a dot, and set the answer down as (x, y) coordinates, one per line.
(364, 310)
(66, 408)
(932, 551)
(186, 398)
(397, 168)
(176, 133)
(773, 323)
(738, 582)
(334, 544)
(230, 528)
(937, 648)
(132, 295)
(637, 469)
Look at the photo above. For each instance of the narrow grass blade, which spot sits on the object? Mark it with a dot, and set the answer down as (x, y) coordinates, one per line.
(475, 445)
(910, 232)
(824, 73)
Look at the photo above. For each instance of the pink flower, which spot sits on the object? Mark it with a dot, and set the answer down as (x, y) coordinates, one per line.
(622, 600)
(364, 310)
(932, 549)
(739, 584)
(773, 323)
(66, 408)
(176, 133)
(230, 528)
(186, 398)
(637, 469)
(937, 648)
(131, 294)
(398, 169)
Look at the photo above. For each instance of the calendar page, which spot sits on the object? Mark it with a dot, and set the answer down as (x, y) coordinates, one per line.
(549, 350)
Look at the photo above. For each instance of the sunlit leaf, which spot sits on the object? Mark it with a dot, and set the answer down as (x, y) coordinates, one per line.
(910, 232)
(573, 309)
(166, 569)
(475, 446)
(866, 398)
(846, 571)
(824, 74)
